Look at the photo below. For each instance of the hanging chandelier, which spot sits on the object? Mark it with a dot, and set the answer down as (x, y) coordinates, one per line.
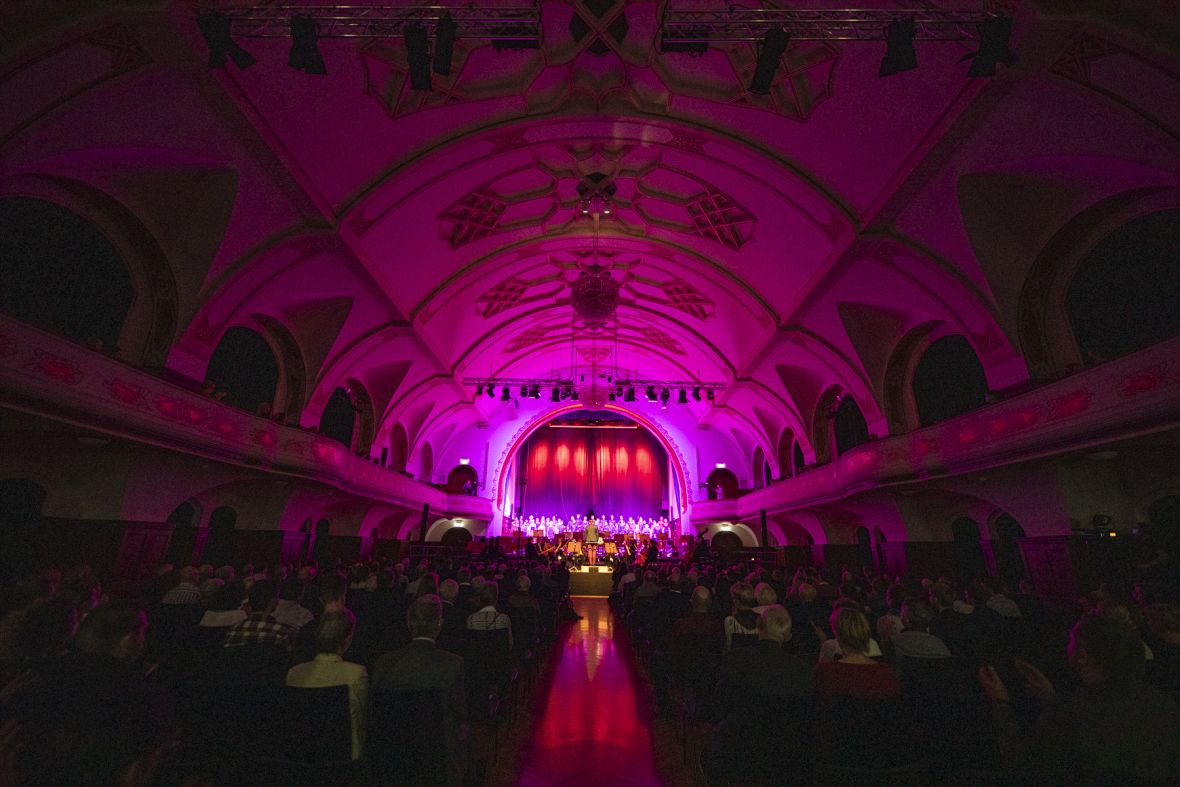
(594, 295)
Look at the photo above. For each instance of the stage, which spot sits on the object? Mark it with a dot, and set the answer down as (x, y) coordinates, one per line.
(591, 581)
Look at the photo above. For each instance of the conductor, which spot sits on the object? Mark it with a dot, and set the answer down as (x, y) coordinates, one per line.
(590, 536)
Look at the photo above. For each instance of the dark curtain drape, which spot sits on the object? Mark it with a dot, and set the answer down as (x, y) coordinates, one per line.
(614, 471)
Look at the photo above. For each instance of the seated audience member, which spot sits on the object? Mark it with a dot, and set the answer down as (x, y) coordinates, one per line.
(256, 650)
(421, 665)
(764, 596)
(113, 633)
(187, 590)
(829, 649)
(333, 638)
(225, 607)
(454, 620)
(751, 687)
(522, 597)
(289, 611)
(1163, 621)
(1115, 729)
(487, 617)
(854, 673)
(333, 591)
(915, 640)
(741, 627)
(45, 635)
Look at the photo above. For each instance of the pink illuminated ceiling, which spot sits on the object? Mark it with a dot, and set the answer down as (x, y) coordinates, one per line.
(785, 244)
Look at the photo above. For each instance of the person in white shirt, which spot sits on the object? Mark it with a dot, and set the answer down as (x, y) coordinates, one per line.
(333, 639)
(289, 610)
(487, 617)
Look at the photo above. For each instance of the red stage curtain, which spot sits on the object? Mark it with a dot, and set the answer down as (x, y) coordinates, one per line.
(613, 471)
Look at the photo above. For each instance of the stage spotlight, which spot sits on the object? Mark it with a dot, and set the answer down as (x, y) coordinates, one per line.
(555, 396)
(536, 392)
(574, 395)
(524, 391)
(491, 391)
(417, 55)
(769, 56)
(505, 394)
(683, 397)
(611, 396)
(899, 48)
(696, 394)
(629, 396)
(993, 47)
(305, 50)
(444, 44)
(215, 28)
(709, 396)
(665, 395)
(479, 390)
(651, 393)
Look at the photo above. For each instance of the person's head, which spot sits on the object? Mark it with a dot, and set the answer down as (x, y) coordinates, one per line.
(427, 585)
(291, 589)
(743, 596)
(774, 624)
(448, 591)
(264, 596)
(701, 599)
(424, 617)
(852, 631)
(765, 595)
(806, 592)
(916, 614)
(333, 588)
(334, 631)
(225, 574)
(487, 594)
(941, 596)
(523, 583)
(464, 575)
(190, 574)
(113, 631)
(1105, 648)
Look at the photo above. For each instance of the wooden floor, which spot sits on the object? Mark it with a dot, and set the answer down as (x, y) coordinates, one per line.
(591, 725)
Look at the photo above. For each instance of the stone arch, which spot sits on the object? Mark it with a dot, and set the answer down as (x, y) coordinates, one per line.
(245, 367)
(1046, 338)
(338, 420)
(948, 380)
(460, 477)
(426, 464)
(291, 388)
(900, 411)
(786, 457)
(968, 552)
(822, 434)
(757, 463)
(219, 545)
(151, 322)
(398, 448)
(721, 484)
(849, 427)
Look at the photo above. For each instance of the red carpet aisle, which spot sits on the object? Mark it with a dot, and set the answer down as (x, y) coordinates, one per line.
(591, 730)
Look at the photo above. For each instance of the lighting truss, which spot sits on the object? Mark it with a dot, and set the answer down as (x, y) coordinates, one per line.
(515, 383)
(520, 25)
(697, 28)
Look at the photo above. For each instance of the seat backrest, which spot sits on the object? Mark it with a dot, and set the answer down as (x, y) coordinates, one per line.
(486, 658)
(314, 725)
(411, 737)
(860, 732)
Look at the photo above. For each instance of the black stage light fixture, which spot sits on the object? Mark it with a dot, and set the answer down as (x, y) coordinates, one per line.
(505, 394)
(491, 391)
(215, 28)
(770, 54)
(899, 48)
(709, 396)
(651, 393)
(665, 396)
(444, 44)
(305, 50)
(524, 391)
(479, 390)
(555, 395)
(696, 394)
(574, 395)
(612, 396)
(683, 397)
(629, 396)
(418, 55)
(993, 47)
(536, 392)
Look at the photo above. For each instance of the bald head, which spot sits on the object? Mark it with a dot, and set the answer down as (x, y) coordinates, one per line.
(701, 598)
(775, 624)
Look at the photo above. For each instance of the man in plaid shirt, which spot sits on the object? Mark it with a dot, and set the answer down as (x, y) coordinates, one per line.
(260, 628)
